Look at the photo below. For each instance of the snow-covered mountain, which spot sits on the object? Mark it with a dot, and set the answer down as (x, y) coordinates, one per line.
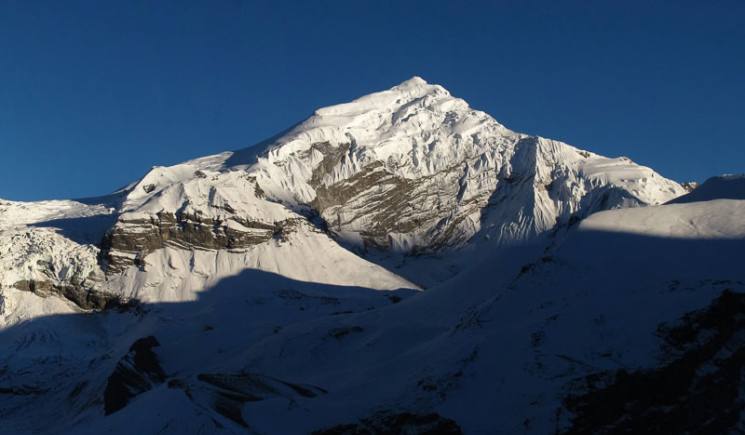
(410, 170)
(277, 289)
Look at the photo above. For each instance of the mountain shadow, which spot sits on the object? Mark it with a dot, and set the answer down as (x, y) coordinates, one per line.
(161, 362)
(84, 230)
(96, 364)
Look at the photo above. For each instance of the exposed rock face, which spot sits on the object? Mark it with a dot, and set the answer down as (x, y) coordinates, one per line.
(398, 424)
(690, 186)
(44, 262)
(520, 191)
(701, 390)
(197, 205)
(85, 298)
(377, 204)
(131, 240)
(41, 254)
(138, 371)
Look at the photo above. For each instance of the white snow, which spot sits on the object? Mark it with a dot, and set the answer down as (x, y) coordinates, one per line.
(16, 213)
(730, 186)
(714, 219)
(172, 275)
(532, 301)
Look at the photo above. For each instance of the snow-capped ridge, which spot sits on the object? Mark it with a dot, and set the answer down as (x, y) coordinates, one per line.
(727, 186)
(413, 81)
(15, 213)
(707, 219)
(401, 94)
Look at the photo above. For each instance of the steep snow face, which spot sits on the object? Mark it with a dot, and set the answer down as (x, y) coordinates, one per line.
(416, 169)
(420, 127)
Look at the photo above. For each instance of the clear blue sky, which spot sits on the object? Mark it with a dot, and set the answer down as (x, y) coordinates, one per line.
(92, 94)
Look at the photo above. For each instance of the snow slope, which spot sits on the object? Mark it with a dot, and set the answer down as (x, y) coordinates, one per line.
(713, 219)
(731, 186)
(15, 213)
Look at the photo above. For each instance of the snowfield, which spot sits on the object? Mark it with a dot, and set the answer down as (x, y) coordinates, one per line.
(401, 263)
(713, 219)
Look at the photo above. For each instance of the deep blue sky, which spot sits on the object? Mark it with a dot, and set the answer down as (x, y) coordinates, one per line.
(92, 94)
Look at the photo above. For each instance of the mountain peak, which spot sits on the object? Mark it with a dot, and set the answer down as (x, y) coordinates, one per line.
(414, 81)
(413, 118)
(387, 100)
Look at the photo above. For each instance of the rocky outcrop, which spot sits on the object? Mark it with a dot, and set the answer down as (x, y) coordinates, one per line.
(85, 298)
(506, 194)
(690, 186)
(131, 240)
(700, 390)
(45, 262)
(380, 205)
(137, 372)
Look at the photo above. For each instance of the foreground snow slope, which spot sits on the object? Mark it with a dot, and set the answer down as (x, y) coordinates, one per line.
(501, 357)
